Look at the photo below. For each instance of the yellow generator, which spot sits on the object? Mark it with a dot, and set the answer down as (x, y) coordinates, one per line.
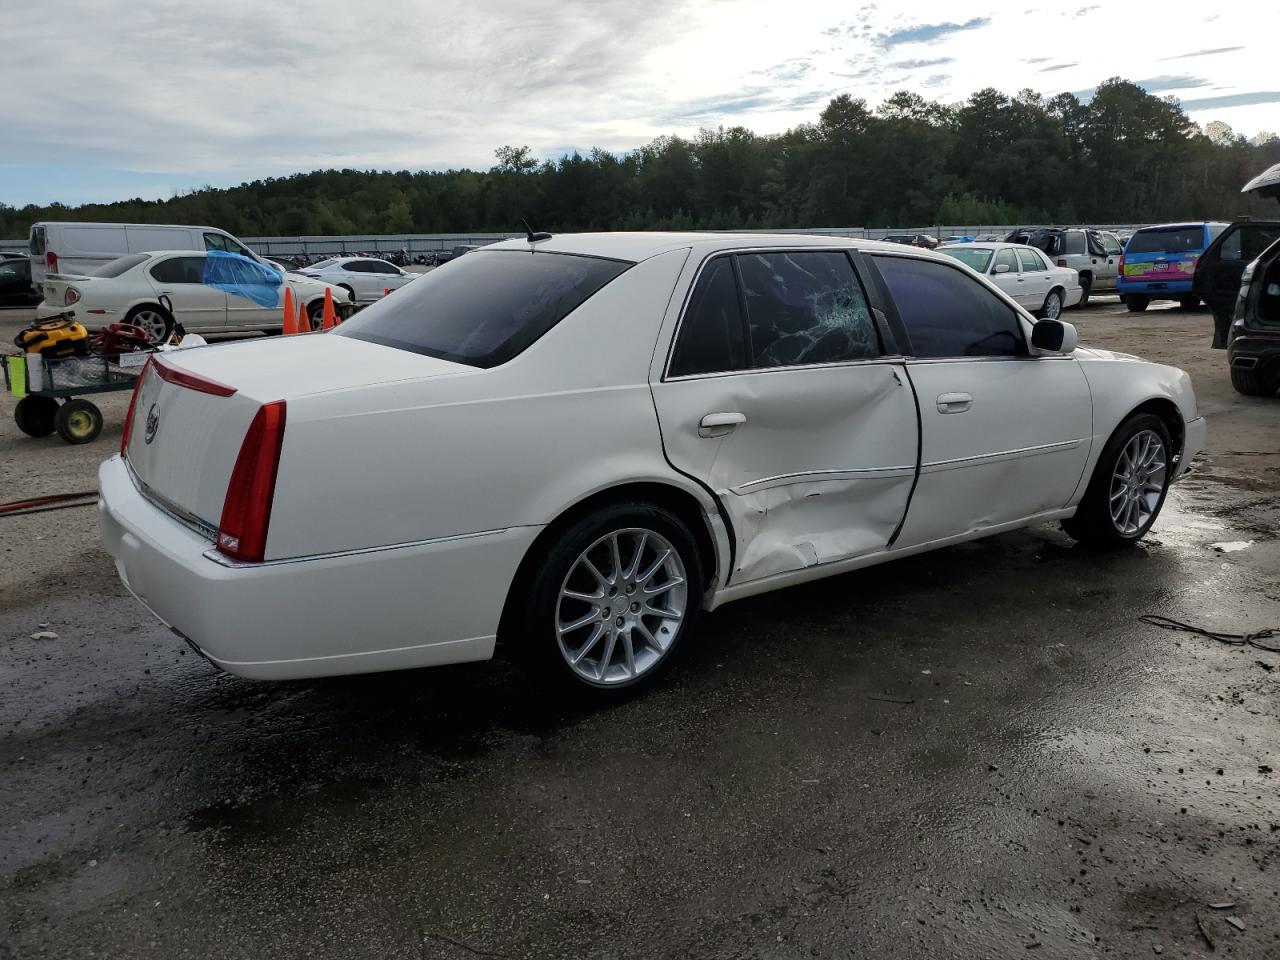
(55, 337)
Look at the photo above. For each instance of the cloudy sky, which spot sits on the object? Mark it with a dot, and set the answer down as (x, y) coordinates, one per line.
(108, 101)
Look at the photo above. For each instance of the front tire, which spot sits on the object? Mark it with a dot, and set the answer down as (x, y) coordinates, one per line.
(1253, 384)
(610, 602)
(78, 421)
(1128, 486)
(1135, 303)
(1052, 308)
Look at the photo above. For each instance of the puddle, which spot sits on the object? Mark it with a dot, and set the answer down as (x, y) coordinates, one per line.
(1231, 546)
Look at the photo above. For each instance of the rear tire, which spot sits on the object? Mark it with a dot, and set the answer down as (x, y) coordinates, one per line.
(315, 314)
(1128, 486)
(1252, 384)
(1052, 308)
(35, 415)
(1135, 303)
(609, 603)
(1086, 287)
(156, 320)
(78, 421)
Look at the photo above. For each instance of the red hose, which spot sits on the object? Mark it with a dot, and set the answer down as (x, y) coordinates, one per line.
(57, 498)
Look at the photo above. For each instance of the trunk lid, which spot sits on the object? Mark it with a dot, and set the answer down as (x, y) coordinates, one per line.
(55, 287)
(188, 424)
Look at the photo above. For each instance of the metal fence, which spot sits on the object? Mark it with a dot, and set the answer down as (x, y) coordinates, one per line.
(416, 243)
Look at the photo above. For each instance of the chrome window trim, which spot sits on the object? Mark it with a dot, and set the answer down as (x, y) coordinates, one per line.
(166, 506)
(936, 465)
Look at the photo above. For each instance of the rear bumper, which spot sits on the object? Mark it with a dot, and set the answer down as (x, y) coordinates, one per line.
(1253, 350)
(413, 605)
(1156, 288)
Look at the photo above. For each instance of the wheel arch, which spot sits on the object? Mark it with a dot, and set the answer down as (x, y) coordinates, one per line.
(680, 501)
(1169, 415)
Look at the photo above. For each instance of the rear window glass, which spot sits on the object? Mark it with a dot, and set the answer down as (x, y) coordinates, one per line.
(36, 246)
(483, 310)
(975, 257)
(1175, 240)
(1073, 242)
(1050, 241)
(116, 267)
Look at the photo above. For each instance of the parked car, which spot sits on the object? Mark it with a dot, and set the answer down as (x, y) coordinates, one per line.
(921, 240)
(1093, 254)
(1159, 263)
(1220, 269)
(157, 290)
(444, 256)
(79, 248)
(15, 283)
(1253, 349)
(1023, 273)
(365, 278)
(572, 453)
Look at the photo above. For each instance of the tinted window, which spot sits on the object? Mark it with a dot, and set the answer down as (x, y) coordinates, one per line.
(949, 314)
(381, 266)
(805, 307)
(178, 270)
(975, 257)
(1005, 257)
(1073, 242)
(1050, 241)
(1173, 240)
(356, 266)
(711, 333)
(1031, 260)
(1247, 242)
(118, 266)
(483, 310)
(8, 269)
(36, 243)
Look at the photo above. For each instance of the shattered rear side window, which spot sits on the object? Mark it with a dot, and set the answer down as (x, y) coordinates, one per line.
(806, 307)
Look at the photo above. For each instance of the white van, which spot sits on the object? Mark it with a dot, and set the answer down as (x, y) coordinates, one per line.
(77, 248)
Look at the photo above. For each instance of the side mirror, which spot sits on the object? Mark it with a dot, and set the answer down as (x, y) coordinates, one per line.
(1054, 336)
(1002, 268)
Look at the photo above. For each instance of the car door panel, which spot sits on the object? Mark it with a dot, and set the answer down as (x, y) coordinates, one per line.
(196, 306)
(1017, 449)
(819, 469)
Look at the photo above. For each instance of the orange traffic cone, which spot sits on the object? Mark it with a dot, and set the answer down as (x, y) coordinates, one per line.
(304, 321)
(329, 318)
(290, 315)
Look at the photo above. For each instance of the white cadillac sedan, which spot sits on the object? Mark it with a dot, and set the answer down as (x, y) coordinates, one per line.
(157, 290)
(366, 278)
(1024, 273)
(569, 447)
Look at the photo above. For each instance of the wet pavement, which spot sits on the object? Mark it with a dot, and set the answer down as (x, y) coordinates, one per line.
(979, 752)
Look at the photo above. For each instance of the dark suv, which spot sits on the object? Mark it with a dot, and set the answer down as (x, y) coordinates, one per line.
(1253, 342)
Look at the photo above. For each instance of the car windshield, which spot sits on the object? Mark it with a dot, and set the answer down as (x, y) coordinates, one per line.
(320, 264)
(483, 310)
(116, 267)
(976, 257)
(1167, 240)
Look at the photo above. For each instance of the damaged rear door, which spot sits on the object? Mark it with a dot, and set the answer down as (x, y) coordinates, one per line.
(778, 396)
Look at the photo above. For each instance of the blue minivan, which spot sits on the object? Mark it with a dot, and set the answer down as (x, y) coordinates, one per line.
(1159, 263)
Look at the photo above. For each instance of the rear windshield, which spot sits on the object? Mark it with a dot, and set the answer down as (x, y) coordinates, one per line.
(36, 245)
(117, 267)
(484, 308)
(976, 257)
(1171, 240)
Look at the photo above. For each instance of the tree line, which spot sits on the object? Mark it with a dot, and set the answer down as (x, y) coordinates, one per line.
(1122, 156)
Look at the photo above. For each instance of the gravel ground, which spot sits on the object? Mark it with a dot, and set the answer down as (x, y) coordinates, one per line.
(1061, 778)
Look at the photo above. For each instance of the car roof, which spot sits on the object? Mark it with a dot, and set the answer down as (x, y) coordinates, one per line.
(638, 246)
(987, 245)
(1184, 225)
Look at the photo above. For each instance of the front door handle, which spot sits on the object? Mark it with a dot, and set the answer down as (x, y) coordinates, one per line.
(954, 402)
(720, 424)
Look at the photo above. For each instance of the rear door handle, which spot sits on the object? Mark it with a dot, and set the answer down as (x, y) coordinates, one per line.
(720, 424)
(954, 402)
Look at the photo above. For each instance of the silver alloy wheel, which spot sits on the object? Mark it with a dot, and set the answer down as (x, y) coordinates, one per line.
(154, 323)
(1052, 305)
(621, 606)
(1137, 482)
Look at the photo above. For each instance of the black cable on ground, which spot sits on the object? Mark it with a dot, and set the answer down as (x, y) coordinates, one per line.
(1234, 639)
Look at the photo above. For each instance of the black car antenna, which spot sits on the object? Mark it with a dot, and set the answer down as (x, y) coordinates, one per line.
(529, 232)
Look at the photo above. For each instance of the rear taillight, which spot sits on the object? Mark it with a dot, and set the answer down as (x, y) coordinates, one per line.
(71, 296)
(184, 378)
(133, 403)
(1061, 261)
(1120, 265)
(246, 512)
(51, 261)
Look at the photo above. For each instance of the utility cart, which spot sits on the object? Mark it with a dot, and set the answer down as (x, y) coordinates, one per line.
(51, 391)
